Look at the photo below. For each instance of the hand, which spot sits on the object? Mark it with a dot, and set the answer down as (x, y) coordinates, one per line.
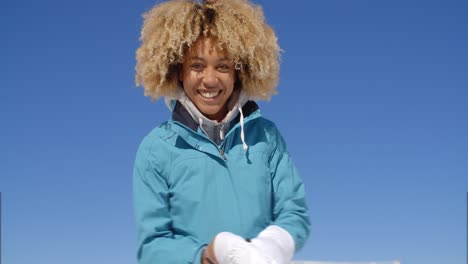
(276, 244)
(208, 256)
(228, 248)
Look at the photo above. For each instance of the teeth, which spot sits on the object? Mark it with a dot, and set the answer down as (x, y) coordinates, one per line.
(209, 95)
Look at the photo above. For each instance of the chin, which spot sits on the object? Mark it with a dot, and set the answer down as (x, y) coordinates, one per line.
(210, 113)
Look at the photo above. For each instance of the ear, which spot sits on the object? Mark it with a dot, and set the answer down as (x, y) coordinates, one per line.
(180, 72)
(237, 81)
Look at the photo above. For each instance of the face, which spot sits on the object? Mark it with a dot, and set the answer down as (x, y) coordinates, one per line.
(208, 78)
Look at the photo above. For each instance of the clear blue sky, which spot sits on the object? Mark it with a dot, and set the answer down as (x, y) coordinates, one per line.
(372, 102)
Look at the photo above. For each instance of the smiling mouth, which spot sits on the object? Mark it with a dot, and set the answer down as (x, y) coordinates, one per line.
(209, 95)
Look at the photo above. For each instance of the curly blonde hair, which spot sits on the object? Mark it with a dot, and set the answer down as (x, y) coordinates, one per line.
(238, 26)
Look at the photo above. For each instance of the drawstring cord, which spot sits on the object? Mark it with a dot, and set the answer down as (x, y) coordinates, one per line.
(244, 145)
(200, 121)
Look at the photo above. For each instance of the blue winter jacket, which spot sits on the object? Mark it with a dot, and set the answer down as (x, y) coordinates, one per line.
(187, 189)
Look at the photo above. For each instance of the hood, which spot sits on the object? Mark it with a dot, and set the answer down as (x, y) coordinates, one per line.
(212, 128)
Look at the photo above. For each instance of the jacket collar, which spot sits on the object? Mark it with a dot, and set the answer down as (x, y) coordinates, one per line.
(181, 115)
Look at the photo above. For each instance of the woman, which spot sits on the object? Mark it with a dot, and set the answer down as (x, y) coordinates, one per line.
(215, 183)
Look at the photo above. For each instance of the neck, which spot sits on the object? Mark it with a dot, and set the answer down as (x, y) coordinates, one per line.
(219, 116)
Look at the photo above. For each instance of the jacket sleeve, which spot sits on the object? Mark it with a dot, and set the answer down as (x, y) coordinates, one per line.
(290, 209)
(157, 243)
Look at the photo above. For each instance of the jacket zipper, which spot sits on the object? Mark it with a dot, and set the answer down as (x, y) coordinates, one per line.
(221, 151)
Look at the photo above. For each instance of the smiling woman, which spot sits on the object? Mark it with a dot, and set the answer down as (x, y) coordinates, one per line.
(208, 78)
(215, 183)
(238, 27)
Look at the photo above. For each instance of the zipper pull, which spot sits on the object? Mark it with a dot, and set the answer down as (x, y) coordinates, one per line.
(221, 131)
(221, 151)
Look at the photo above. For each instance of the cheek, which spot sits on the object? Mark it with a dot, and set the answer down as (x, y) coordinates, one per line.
(190, 81)
(189, 87)
(229, 82)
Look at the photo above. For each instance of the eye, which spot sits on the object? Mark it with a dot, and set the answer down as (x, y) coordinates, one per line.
(197, 66)
(224, 67)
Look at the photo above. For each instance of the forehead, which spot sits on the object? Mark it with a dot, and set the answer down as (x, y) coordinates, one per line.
(206, 47)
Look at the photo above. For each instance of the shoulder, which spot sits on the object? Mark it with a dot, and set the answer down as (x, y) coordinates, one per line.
(155, 144)
(270, 130)
(156, 136)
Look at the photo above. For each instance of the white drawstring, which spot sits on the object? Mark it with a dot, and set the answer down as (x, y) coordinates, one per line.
(221, 132)
(244, 145)
(200, 121)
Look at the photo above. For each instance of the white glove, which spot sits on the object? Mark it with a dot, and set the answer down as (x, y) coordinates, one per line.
(276, 244)
(233, 249)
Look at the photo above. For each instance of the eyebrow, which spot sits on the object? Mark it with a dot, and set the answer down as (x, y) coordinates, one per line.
(202, 59)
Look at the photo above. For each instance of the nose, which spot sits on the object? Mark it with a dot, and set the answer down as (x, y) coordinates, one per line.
(210, 79)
